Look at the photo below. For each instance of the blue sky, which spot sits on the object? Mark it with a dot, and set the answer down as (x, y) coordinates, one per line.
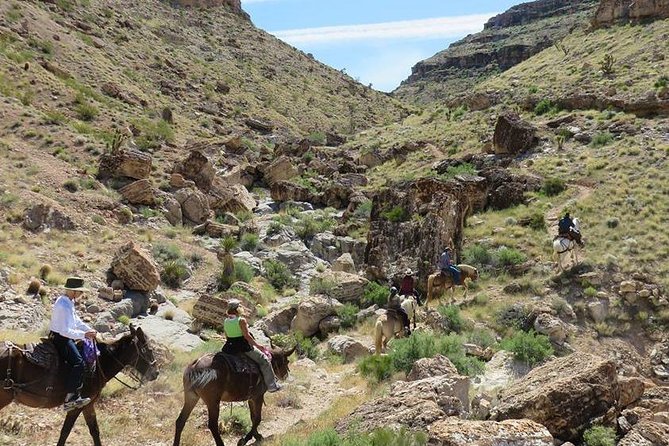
(377, 41)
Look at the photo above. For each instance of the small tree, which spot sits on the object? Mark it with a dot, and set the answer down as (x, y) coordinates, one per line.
(607, 65)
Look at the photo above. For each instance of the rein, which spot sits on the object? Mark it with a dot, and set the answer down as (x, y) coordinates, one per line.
(139, 380)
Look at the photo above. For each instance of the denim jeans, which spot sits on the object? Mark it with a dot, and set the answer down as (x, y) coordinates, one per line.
(68, 352)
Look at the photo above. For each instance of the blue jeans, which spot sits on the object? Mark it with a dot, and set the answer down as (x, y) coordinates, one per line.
(67, 349)
(454, 272)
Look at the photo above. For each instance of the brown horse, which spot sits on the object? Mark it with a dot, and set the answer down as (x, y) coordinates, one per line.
(438, 280)
(215, 381)
(31, 385)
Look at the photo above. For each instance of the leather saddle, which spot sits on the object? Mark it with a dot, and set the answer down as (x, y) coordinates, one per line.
(237, 363)
(43, 354)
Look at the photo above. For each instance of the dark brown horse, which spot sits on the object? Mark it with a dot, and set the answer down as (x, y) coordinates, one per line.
(215, 381)
(33, 386)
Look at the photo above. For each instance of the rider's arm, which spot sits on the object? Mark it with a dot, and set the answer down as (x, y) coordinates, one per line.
(245, 331)
(63, 321)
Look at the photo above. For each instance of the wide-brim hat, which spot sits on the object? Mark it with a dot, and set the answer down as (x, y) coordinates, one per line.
(75, 284)
(233, 304)
(408, 272)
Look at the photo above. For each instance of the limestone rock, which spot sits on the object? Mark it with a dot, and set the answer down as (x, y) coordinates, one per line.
(216, 230)
(329, 324)
(136, 268)
(647, 433)
(456, 432)
(278, 321)
(628, 286)
(343, 286)
(441, 388)
(197, 168)
(172, 210)
(170, 333)
(428, 367)
(287, 191)
(552, 327)
(622, 11)
(281, 169)
(130, 163)
(311, 311)
(347, 347)
(598, 311)
(178, 181)
(344, 263)
(230, 198)
(122, 308)
(513, 135)
(631, 389)
(139, 192)
(42, 216)
(564, 395)
(194, 205)
(296, 256)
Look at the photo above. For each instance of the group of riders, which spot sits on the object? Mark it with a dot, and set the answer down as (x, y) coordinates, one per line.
(66, 328)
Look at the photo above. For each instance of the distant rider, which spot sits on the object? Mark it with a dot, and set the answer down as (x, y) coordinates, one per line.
(407, 284)
(395, 305)
(446, 266)
(239, 340)
(566, 229)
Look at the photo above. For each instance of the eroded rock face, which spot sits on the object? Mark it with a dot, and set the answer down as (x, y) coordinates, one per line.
(622, 11)
(347, 347)
(136, 268)
(281, 169)
(647, 433)
(129, 163)
(230, 198)
(456, 432)
(344, 287)
(197, 167)
(42, 216)
(427, 367)
(563, 395)
(513, 135)
(234, 5)
(277, 322)
(139, 192)
(194, 205)
(311, 311)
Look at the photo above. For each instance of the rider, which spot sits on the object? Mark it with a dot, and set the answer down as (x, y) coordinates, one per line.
(566, 229)
(239, 340)
(446, 266)
(395, 305)
(407, 284)
(66, 328)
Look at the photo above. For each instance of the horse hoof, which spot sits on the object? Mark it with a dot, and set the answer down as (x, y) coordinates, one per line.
(242, 442)
(259, 438)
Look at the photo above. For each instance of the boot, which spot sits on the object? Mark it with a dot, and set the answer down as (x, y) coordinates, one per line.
(74, 401)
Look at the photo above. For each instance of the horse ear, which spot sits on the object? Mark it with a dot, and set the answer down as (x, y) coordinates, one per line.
(271, 344)
(291, 351)
(132, 329)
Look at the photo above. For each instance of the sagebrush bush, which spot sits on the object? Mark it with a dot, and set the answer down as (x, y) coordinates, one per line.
(164, 252)
(599, 436)
(375, 294)
(249, 242)
(348, 315)
(306, 346)
(174, 272)
(308, 226)
(553, 186)
(477, 255)
(243, 271)
(322, 285)
(509, 257)
(452, 316)
(364, 210)
(278, 275)
(376, 367)
(601, 139)
(528, 347)
(545, 106)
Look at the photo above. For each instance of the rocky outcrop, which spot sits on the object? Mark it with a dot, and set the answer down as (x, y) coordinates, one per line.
(135, 268)
(513, 136)
(647, 433)
(564, 395)
(344, 287)
(456, 432)
(42, 216)
(347, 347)
(197, 168)
(277, 322)
(230, 198)
(311, 311)
(125, 163)
(234, 5)
(281, 169)
(139, 192)
(194, 205)
(428, 367)
(625, 11)
(412, 222)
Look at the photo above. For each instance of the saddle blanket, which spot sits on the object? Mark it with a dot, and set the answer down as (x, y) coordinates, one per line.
(237, 363)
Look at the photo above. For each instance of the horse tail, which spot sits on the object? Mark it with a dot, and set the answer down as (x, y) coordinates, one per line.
(378, 336)
(197, 378)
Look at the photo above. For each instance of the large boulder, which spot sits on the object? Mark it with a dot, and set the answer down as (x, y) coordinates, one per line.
(551, 326)
(348, 348)
(506, 189)
(428, 367)
(296, 256)
(438, 387)
(139, 192)
(647, 433)
(344, 263)
(136, 268)
(194, 205)
(230, 198)
(277, 322)
(311, 311)
(343, 286)
(623, 11)
(281, 169)
(42, 216)
(288, 191)
(564, 395)
(456, 432)
(197, 167)
(129, 163)
(172, 210)
(513, 135)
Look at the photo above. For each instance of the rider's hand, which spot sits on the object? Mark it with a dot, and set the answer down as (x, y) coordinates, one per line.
(91, 334)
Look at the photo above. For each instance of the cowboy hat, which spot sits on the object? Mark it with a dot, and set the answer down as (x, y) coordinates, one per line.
(408, 272)
(75, 284)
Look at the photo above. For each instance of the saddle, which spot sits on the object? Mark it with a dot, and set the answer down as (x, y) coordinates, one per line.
(42, 355)
(237, 363)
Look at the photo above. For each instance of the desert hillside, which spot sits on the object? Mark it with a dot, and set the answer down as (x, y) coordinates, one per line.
(176, 157)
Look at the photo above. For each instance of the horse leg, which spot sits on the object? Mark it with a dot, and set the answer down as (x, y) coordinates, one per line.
(6, 398)
(213, 408)
(92, 423)
(190, 400)
(255, 408)
(67, 426)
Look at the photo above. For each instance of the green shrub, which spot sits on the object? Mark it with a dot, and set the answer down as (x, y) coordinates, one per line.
(364, 210)
(536, 221)
(530, 348)
(553, 186)
(165, 252)
(375, 294)
(278, 275)
(509, 256)
(174, 272)
(322, 285)
(71, 185)
(249, 242)
(376, 367)
(86, 112)
(482, 337)
(460, 169)
(545, 106)
(244, 216)
(477, 255)
(377, 437)
(452, 316)
(228, 243)
(124, 319)
(243, 271)
(396, 214)
(601, 139)
(348, 315)
(306, 346)
(152, 134)
(590, 291)
(599, 436)
(662, 82)
(308, 226)
(236, 421)
(317, 138)
(513, 316)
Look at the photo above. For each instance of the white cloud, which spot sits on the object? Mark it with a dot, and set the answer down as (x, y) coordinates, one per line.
(440, 27)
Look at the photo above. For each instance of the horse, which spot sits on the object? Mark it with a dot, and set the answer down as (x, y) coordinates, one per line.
(563, 245)
(390, 326)
(31, 385)
(446, 281)
(216, 381)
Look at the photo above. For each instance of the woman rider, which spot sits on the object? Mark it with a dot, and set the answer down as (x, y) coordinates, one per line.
(239, 340)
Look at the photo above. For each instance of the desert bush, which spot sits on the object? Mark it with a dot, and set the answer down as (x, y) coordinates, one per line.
(590, 291)
(396, 214)
(317, 138)
(124, 319)
(599, 436)
(377, 437)
(528, 347)
(348, 315)
(452, 316)
(482, 337)
(71, 185)
(44, 271)
(322, 285)
(306, 346)
(376, 367)
(174, 272)
(536, 221)
(249, 242)
(375, 294)
(607, 65)
(513, 316)
(278, 275)
(86, 111)
(509, 256)
(34, 286)
(477, 255)
(237, 421)
(243, 271)
(612, 222)
(553, 186)
(308, 226)
(545, 106)
(662, 82)
(153, 134)
(601, 139)
(165, 252)
(364, 210)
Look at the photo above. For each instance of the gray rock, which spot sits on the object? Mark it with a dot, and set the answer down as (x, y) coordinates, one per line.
(170, 333)
(104, 322)
(348, 348)
(123, 308)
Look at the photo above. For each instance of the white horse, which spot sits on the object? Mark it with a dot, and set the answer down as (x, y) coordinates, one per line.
(562, 246)
(390, 326)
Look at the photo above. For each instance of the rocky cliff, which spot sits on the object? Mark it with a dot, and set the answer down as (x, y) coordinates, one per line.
(507, 40)
(621, 11)
(234, 5)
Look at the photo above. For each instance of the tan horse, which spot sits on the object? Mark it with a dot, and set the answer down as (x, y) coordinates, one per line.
(389, 325)
(438, 280)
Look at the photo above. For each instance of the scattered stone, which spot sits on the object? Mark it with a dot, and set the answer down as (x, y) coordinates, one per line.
(41, 216)
(136, 268)
(347, 347)
(456, 432)
(552, 327)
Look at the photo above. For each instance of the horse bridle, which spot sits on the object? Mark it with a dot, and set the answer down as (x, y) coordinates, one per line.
(141, 354)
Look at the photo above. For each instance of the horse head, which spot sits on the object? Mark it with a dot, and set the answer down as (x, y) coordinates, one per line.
(280, 361)
(577, 224)
(144, 361)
